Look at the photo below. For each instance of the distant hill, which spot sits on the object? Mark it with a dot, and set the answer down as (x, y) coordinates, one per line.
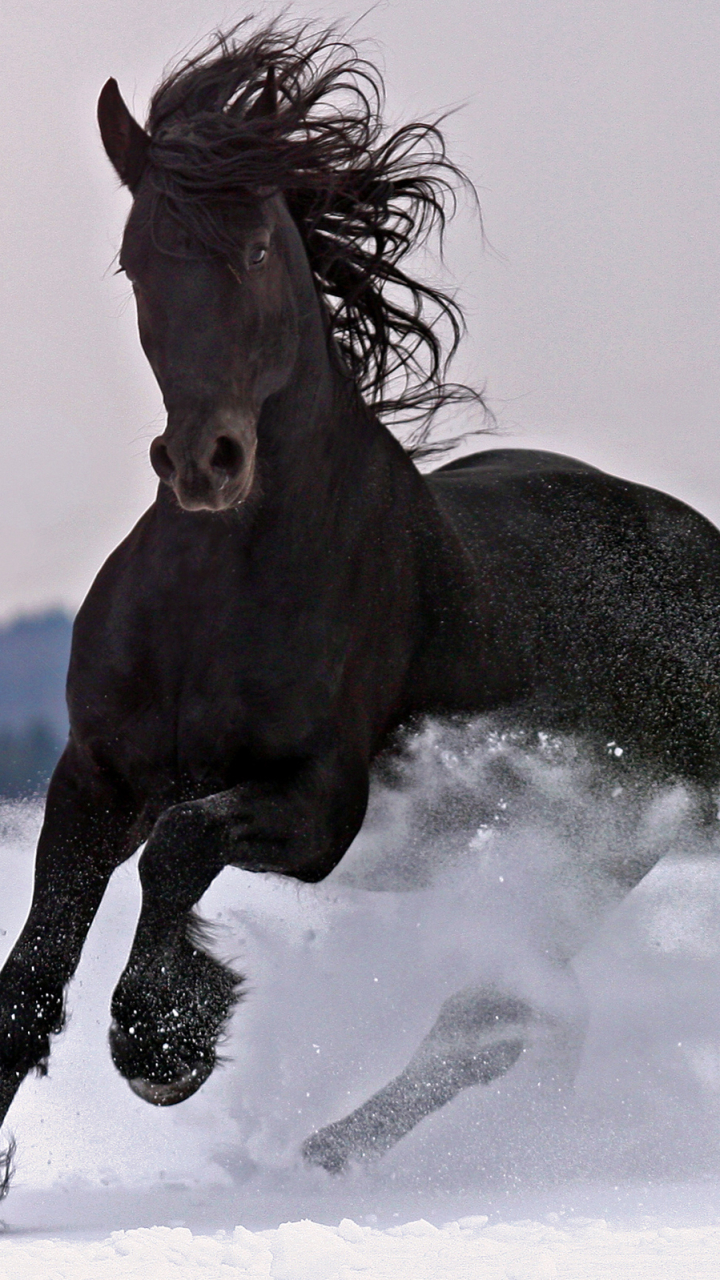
(34, 654)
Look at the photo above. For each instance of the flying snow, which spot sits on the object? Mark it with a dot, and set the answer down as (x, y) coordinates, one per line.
(487, 856)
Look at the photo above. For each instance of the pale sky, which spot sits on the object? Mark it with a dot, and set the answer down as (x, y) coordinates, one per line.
(592, 131)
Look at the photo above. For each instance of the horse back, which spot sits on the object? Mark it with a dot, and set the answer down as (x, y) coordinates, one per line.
(609, 594)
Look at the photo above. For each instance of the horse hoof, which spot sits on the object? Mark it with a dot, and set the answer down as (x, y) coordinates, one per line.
(323, 1152)
(167, 1093)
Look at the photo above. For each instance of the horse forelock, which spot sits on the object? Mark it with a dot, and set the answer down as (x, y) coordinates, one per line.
(362, 198)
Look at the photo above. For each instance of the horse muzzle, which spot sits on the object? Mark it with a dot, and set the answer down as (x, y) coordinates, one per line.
(213, 477)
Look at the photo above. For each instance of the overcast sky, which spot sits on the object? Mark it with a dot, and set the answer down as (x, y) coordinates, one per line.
(592, 132)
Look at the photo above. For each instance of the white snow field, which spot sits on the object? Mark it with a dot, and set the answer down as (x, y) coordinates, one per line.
(469, 1249)
(476, 862)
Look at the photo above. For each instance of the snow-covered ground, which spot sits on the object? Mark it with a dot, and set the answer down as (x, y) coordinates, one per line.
(583, 1250)
(620, 1178)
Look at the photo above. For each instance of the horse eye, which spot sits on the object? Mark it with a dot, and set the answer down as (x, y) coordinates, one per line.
(257, 255)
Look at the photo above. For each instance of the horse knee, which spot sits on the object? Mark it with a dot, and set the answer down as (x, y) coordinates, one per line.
(182, 856)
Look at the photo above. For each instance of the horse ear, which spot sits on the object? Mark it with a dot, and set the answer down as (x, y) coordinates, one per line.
(125, 142)
(266, 102)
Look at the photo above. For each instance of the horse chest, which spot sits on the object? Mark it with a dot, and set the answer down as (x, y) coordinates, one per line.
(186, 692)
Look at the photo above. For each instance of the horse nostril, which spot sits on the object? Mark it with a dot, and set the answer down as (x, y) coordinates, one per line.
(160, 460)
(227, 456)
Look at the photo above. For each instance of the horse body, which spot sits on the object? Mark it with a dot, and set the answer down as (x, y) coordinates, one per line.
(296, 593)
(206, 644)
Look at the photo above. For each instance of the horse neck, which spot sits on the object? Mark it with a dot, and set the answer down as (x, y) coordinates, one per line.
(317, 427)
(316, 436)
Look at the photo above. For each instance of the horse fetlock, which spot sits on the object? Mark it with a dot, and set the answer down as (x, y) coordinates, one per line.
(28, 1019)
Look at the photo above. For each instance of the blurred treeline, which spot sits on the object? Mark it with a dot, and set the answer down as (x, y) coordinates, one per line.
(34, 655)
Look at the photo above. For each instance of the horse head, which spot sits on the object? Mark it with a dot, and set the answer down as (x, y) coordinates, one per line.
(218, 322)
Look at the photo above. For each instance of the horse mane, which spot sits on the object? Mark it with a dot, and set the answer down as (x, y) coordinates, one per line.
(361, 199)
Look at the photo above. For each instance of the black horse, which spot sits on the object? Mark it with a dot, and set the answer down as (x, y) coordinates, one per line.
(298, 590)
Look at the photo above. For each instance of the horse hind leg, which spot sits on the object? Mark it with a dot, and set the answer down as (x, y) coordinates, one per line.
(477, 1037)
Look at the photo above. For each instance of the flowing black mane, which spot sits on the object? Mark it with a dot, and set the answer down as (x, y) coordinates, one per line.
(361, 198)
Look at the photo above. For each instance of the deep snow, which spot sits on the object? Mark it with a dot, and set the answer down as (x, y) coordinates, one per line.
(343, 980)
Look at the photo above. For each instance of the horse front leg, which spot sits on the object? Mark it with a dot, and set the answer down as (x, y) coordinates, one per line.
(85, 835)
(173, 999)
